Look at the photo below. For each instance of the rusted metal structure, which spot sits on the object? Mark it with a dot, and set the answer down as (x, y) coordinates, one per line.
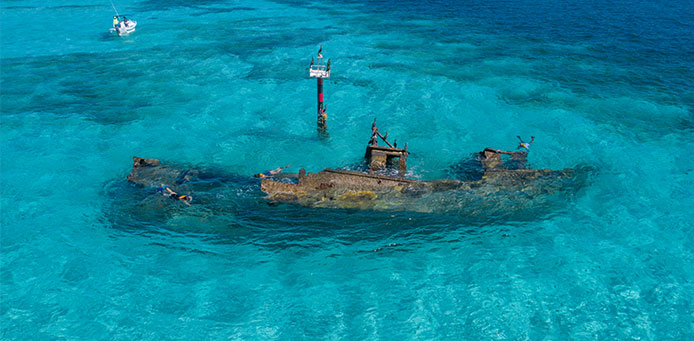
(379, 156)
(505, 186)
(349, 189)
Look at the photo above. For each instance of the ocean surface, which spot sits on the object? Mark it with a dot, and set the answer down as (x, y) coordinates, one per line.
(223, 86)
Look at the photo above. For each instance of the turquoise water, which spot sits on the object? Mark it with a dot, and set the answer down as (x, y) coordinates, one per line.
(223, 86)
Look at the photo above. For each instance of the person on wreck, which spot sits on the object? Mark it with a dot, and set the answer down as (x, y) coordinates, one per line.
(186, 199)
(271, 173)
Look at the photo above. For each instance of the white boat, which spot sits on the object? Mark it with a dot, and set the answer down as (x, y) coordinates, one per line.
(124, 27)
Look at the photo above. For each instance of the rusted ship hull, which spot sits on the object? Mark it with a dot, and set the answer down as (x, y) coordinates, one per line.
(500, 193)
(503, 189)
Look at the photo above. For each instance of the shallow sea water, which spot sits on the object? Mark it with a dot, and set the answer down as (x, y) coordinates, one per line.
(223, 86)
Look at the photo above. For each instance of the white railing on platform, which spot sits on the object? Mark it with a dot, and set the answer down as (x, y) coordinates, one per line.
(319, 71)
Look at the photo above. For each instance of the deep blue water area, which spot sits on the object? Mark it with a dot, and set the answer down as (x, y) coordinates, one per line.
(223, 87)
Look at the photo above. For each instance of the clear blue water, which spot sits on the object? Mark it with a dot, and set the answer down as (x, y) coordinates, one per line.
(223, 85)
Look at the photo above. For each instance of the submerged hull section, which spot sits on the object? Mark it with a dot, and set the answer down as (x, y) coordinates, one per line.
(499, 191)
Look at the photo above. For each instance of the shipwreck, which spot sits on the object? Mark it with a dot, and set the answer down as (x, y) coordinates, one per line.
(508, 181)
(504, 183)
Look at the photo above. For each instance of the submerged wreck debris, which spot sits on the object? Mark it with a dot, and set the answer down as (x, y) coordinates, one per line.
(505, 188)
(347, 189)
(379, 157)
(510, 182)
(151, 173)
